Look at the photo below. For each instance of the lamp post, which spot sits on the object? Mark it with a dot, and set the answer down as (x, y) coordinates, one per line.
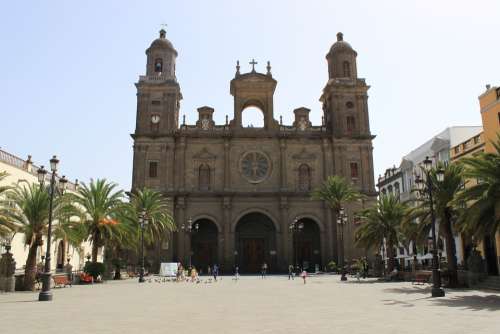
(295, 228)
(46, 293)
(143, 221)
(188, 229)
(426, 186)
(341, 221)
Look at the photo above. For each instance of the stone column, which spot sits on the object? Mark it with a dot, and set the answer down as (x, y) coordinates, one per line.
(284, 253)
(182, 164)
(227, 164)
(181, 218)
(228, 239)
(283, 165)
(7, 270)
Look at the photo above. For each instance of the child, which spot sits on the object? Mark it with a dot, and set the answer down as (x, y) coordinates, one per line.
(304, 275)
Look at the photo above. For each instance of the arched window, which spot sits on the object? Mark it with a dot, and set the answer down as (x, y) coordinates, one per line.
(351, 124)
(304, 177)
(347, 69)
(252, 117)
(354, 170)
(204, 177)
(158, 65)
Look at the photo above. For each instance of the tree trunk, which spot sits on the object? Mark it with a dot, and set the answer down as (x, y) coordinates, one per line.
(30, 270)
(390, 256)
(96, 240)
(450, 249)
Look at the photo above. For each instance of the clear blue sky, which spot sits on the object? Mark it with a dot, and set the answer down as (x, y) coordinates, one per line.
(68, 68)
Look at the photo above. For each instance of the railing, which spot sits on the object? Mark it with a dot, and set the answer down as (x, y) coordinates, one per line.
(156, 78)
(29, 167)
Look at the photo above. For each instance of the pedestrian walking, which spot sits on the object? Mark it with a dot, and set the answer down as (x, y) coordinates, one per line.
(264, 270)
(304, 275)
(236, 273)
(291, 273)
(215, 271)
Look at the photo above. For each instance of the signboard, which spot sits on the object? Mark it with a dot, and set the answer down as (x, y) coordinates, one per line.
(168, 269)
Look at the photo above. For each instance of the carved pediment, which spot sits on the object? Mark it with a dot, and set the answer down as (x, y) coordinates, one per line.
(204, 154)
(304, 155)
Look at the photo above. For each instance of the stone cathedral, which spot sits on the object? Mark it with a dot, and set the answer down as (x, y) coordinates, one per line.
(241, 188)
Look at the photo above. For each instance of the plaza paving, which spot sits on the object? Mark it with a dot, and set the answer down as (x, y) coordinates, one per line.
(252, 305)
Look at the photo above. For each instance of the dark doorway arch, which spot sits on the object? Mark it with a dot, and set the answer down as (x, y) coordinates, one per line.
(204, 244)
(307, 245)
(255, 243)
(60, 255)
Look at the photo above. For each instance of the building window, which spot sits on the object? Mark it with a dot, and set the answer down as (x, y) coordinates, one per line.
(304, 177)
(477, 139)
(499, 118)
(347, 69)
(349, 105)
(397, 191)
(156, 102)
(158, 65)
(153, 169)
(204, 177)
(351, 124)
(354, 170)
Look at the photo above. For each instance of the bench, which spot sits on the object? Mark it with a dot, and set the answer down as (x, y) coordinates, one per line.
(421, 278)
(61, 281)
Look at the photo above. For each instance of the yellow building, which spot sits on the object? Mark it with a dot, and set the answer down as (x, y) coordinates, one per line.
(489, 103)
(24, 171)
(469, 147)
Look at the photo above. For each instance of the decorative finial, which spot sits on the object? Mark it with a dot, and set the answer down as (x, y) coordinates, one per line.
(227, 120)
(163, 33)
(340, 36)
(253, 63)
(268, 67)
(281, 120)
(237, 67)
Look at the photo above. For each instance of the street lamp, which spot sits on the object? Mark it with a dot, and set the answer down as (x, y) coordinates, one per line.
(188, 229)
(295, 228)
(143, 221)
(426, 186)
(341, 221)
(46, 293)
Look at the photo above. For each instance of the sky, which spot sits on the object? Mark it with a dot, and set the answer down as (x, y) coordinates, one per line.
(68, 68)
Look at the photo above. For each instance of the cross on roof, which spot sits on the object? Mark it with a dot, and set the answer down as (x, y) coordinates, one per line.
(253, 63)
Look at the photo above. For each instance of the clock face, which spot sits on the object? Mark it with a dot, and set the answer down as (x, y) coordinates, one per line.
(155, 119)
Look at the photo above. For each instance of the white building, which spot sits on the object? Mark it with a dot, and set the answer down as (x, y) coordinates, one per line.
(19, 171)
(438, 150)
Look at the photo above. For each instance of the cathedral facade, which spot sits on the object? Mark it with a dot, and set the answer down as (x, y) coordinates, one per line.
(239, 194)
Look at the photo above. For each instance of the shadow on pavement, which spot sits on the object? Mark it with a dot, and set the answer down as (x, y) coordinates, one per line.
(475, 302)
(410, 290)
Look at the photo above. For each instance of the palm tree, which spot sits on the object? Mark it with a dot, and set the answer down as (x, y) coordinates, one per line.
(29, 212)
(101, 206)
(6, 227)
(382, 222)
(482, 216)
(156, 209)
(444, 193)
(336, 191)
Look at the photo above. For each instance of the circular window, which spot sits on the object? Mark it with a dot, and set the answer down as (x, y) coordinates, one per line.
(349, 105)
(255, 166)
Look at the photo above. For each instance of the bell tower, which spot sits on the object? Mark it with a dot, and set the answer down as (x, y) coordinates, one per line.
(253, 89)
(345, 96)
(158, 92)
(345, 108)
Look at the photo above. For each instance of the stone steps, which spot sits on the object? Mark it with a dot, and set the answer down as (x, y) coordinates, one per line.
(490, 283)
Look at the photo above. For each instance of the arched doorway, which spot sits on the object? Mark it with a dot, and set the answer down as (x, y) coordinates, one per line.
(204, 244)
(60, 255)
(255, 243)
(307, 245)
